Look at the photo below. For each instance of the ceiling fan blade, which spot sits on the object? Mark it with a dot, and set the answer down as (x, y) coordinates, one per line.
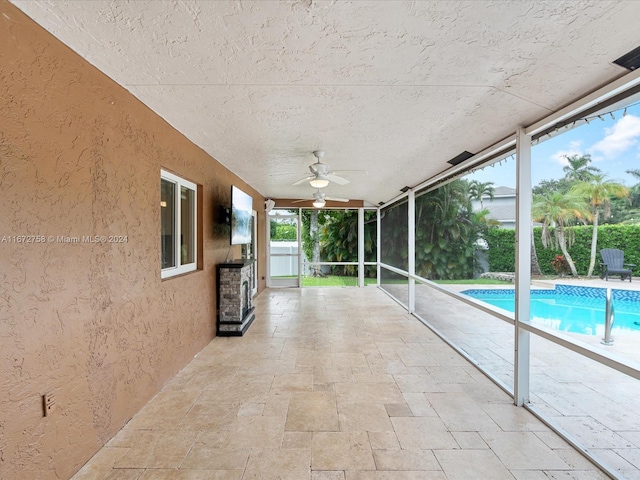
(282, 174)
(302, 200)
(302, 180)
(350, 172)
(334, 199)
(337, 179)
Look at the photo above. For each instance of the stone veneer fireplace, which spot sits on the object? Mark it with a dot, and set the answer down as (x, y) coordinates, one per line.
(235, 302)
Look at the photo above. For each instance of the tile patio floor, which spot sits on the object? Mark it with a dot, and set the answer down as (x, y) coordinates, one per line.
(595, 405)
(334, 384)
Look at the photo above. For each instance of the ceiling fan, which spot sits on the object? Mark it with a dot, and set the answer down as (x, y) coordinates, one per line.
(321, 174)
(319, 199)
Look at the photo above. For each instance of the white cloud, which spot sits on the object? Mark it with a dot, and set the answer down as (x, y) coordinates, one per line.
(572, 149)
(623, 136)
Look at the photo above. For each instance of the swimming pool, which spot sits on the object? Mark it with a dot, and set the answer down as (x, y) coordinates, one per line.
(569, 308)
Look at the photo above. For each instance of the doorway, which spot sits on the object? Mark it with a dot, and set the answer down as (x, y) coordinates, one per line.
(283, 231)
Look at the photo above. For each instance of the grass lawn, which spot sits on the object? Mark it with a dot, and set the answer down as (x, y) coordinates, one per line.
(334, 281)
(344, 281)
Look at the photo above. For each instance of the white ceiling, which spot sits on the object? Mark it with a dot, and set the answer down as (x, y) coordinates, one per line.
(395, 88)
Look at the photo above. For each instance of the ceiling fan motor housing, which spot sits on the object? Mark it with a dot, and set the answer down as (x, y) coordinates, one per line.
(321, 174)
(319, 169)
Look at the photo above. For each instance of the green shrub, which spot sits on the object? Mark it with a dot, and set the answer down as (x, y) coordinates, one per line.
(502, 250)
(625, 237)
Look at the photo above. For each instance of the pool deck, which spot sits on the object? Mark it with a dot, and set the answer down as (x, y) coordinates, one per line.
(591, 402)
(625, 345)
(614, 283)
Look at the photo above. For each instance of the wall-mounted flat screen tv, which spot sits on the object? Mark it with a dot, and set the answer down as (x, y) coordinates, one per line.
(241, 208)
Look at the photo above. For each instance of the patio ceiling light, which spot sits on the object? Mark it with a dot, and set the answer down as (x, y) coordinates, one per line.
(319, 182)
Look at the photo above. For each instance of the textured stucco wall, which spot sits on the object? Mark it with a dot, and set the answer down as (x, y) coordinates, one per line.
(91, 322)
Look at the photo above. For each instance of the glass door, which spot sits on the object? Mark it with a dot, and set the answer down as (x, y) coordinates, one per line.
(254, 251)
(249, 251)
(283, 230)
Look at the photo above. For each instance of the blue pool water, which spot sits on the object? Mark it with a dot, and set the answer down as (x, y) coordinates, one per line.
(571, 309)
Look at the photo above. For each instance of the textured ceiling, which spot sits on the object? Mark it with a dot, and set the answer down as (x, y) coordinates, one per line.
(395, 88)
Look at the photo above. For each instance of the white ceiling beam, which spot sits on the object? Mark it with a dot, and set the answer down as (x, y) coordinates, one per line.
(604, 93)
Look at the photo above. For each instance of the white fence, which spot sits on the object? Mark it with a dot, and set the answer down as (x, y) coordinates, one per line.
(288, 266)
(284, 266)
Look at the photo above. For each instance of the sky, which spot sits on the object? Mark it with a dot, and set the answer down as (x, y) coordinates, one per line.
(613, 143)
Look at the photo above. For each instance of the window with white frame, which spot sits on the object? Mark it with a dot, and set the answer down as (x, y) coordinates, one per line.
(178, 225)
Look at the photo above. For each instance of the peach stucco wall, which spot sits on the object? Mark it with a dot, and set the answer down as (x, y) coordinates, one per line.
(91, 322)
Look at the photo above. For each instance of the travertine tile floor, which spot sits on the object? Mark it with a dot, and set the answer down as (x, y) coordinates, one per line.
(333, 384)
(592, 403)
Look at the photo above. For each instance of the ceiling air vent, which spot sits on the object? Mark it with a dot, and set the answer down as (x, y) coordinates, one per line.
(631, 60)
(461, 158)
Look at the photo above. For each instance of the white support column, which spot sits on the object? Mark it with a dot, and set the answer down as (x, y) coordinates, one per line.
(523, 267)
(361, 247)
(411, 225)
(378, 248)
(268, 249)
(299, 257)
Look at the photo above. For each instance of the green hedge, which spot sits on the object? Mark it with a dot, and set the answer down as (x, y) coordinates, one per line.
(502, 249)
(625, 237)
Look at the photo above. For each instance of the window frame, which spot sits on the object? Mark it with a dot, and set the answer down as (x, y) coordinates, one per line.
(179, 268)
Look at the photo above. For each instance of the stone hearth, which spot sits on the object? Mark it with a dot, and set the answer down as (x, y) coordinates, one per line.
(235, 301)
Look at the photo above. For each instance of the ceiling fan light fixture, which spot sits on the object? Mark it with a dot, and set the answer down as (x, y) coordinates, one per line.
(318, 203)
(319, 182)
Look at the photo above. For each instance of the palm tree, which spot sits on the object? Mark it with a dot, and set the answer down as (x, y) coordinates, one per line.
(314, 231)
(535, 265)
(445, 233)
(340, 241)
(635, 190)
(558, 211)
(598, 192)
(478, 190)
(579, 168)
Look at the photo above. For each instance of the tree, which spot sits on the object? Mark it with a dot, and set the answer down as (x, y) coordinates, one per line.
(621, 213)
(579, 168)
(478, 190)
(447, 232)
(598, 190)
(558, 211)
(634, 194)
(561, 185)
(311, 235)
(535, 264)
(316, 270)
(340, 241)
(283, 232)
